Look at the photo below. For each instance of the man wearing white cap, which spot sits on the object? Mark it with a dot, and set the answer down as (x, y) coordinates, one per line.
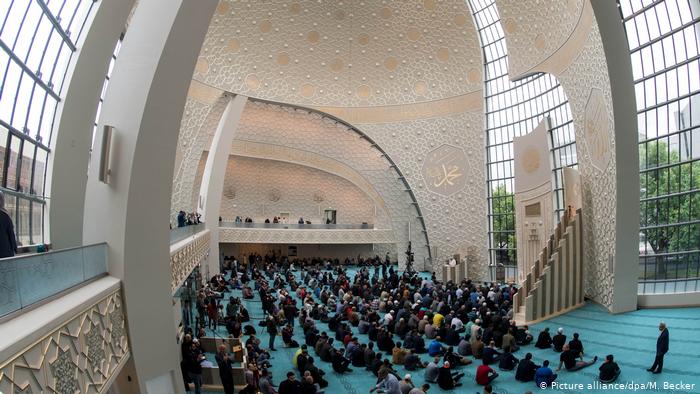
(406, 384)
(559, 340)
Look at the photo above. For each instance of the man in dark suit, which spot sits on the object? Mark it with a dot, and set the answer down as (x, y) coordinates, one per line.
(225, 364)
(661, 349)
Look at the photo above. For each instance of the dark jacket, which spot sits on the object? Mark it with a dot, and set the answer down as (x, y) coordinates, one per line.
(8, 241)
(662, 343)
(526, 371)
(445, 380)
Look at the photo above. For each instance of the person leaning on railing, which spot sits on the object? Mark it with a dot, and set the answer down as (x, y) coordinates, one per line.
(8, 241)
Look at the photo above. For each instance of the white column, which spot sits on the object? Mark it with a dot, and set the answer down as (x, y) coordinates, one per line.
(144, 103)
(214, 175)
(626, 264)
(70, 148)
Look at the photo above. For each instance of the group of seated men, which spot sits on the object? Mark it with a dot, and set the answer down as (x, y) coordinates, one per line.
(399, 314)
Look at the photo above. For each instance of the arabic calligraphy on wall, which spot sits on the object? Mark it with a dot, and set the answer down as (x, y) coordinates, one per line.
(444, 170)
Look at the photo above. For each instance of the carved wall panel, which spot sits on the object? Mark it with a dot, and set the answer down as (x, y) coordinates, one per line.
(455, 217)
(82, 355)
(535, 30)
(186, 257)
(292, 236)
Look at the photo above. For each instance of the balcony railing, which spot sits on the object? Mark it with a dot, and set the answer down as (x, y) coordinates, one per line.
(179, 233)
(28, 279)
(295, 226)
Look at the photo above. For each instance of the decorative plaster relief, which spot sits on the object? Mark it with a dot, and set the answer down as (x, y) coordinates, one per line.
(186, 257)
(536, 30)
(598, 130)
(342, 54)
(292, 236)
(456, 223)
(81, 355)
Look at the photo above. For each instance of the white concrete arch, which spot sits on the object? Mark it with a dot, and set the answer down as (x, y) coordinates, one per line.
(144, 104)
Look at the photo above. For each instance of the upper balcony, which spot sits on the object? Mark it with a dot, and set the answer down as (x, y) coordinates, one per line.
(285, 233)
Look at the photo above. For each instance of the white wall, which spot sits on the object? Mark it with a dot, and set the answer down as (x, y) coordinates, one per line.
(255, 182)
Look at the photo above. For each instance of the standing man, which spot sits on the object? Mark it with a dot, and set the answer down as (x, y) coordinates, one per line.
(661, 349)
(225, 364)
(272, 330)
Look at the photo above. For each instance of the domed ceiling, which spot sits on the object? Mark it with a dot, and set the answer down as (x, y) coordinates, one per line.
(347, 53)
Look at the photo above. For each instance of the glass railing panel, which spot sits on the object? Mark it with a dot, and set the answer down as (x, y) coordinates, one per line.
(179, 233)
(43, 275)
(27, 279)
(94, 261)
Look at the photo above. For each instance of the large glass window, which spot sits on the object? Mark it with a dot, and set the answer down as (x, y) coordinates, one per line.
(514, 109)
(37, 39)
(663, 37)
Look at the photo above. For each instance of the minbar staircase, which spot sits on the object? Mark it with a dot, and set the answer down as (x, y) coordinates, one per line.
(554, 285)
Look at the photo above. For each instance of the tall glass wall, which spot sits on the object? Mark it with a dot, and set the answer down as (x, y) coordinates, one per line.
(663, 37)
(37, 39)
(514, 109)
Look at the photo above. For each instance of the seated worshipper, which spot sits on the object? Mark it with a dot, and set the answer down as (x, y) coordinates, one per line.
(452, 336)
(575, 344)
(308, 386)
(248, 293)
(435, 348)
(568, 359)
(526, 369)
(508, 362)
(290, 386)
(491, 355)
(477, 348)
(316, 373)
(447, 380)
(357, 356)
(609, 370)
(544, 375)
(265, 383)
(454, 358)
(327, 351)
(544, 341)
(406, 384)
(509, 342)
(340, 363)
(464, 348)
(300, 358)
(369, 354)
(389, 384)
(523, 336)
(398, 354)
(413, 362)
(484, 374)
(432, 371)
(559, 340)
(384, 341)
(376, 364)
(287, 333)
(422, 390)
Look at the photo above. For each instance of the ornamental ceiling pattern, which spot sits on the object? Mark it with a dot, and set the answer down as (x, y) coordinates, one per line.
(347, 53)
(536, 29)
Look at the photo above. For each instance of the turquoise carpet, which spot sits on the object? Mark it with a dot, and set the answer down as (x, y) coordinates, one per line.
(630, 337)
